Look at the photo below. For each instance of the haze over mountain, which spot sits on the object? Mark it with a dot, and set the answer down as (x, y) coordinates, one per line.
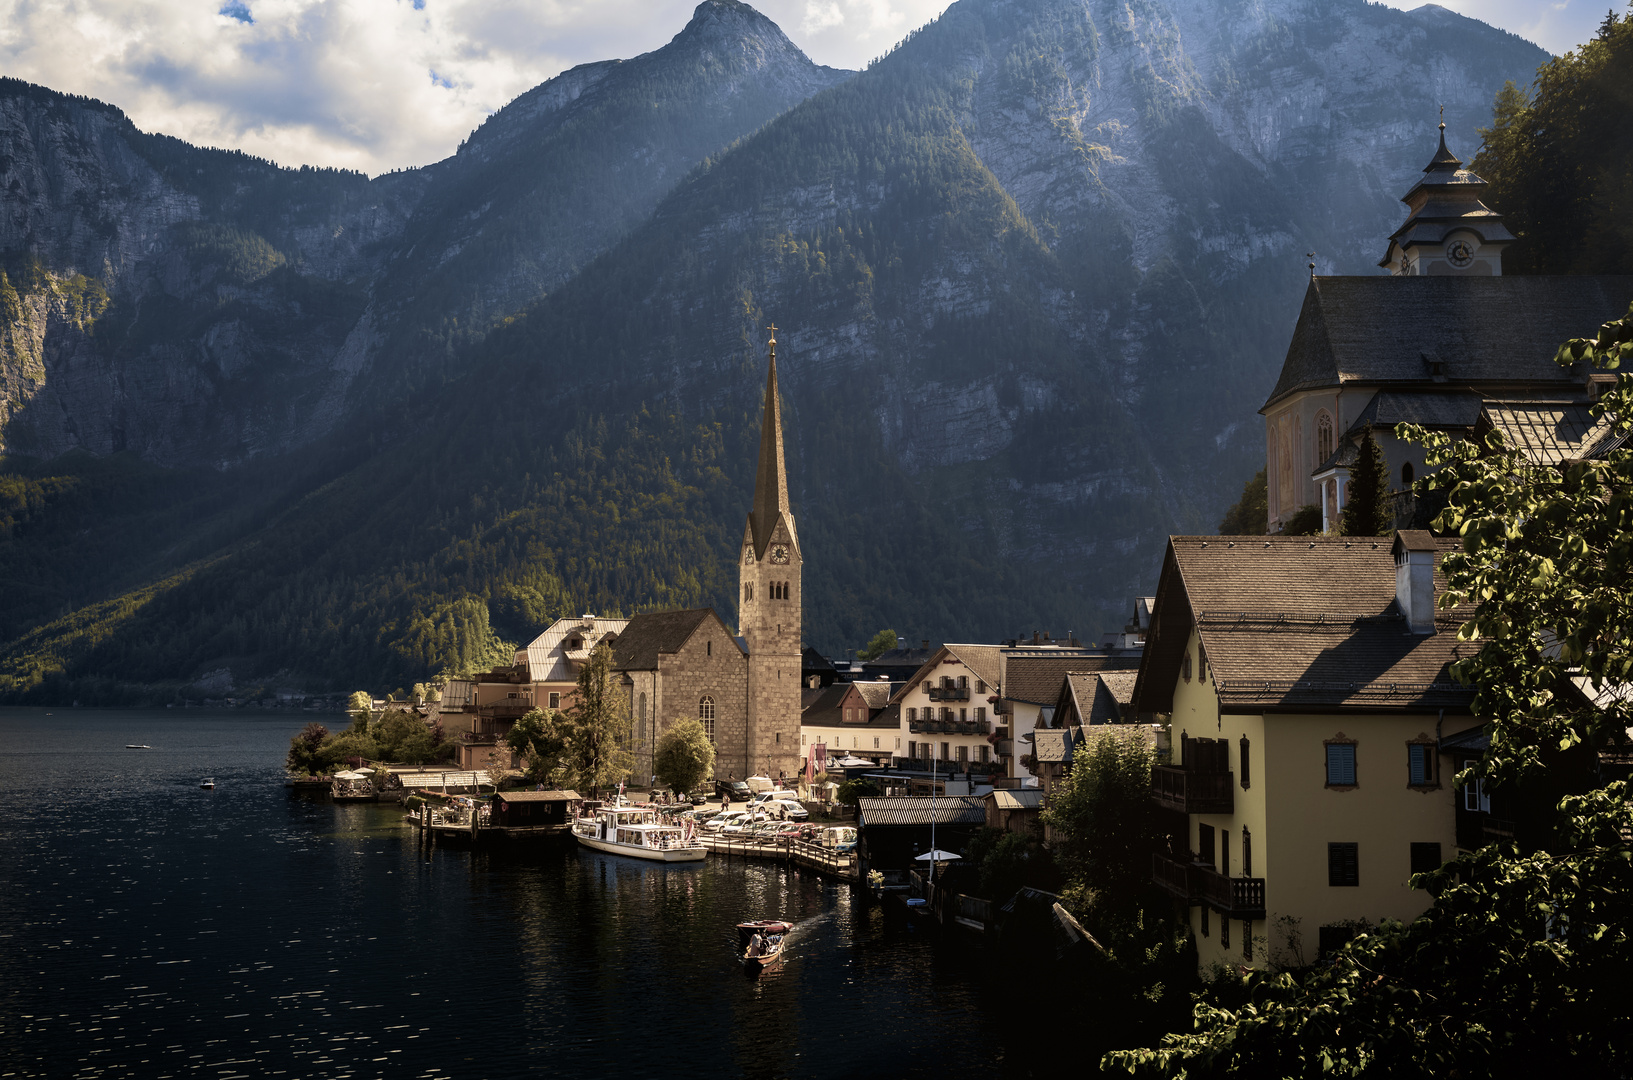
(1035, 271)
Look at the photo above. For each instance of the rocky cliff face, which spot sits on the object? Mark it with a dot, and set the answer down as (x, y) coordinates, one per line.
(236, 303)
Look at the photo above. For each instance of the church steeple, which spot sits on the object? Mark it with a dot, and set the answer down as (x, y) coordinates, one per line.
(1448, 230)
(771, 480)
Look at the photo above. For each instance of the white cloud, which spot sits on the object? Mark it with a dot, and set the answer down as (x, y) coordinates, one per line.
(1556, 25)
(380, 84)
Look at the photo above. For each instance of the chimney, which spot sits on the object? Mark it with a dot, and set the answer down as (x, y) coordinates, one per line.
(1415, 579)
(924, 643)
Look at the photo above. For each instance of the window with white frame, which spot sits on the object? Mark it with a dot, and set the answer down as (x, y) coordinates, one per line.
(705, 713)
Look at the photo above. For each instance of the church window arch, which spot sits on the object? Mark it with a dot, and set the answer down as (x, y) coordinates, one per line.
(705, 713)
(1406, 474)
(1324, 441)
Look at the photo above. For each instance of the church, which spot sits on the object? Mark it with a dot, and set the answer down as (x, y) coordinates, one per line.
(744, 687)
(1442, 340)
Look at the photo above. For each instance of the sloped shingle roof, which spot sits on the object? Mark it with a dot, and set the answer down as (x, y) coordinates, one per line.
(1036, 680)
(919, 810)
(1503, 329)
(1299, 622)
(656, 632)
(1552, 432)
(548, 661)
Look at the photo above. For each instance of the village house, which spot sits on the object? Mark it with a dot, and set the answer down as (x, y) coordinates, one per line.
(944, 711)
(1031, 689)
(1308, 688)
(555, 657)
(853, 719)
(1444, 341)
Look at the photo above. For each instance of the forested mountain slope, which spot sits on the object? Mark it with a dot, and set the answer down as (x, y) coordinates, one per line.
(1034, 270)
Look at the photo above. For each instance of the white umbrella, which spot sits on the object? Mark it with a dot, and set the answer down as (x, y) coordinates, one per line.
(852, 762)
(348, 776)
(937, 855)
(364, 772)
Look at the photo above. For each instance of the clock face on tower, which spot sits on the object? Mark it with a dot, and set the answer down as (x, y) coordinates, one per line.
(779, 554)
(1459, 253)
(748, 557)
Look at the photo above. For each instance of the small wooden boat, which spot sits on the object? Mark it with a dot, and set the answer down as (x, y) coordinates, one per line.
(763, 952)
(208, 783)
(763, 927)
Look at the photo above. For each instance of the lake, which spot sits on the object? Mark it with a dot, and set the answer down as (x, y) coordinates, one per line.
(149, 928)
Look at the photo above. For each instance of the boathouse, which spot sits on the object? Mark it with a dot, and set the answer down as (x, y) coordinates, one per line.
(891, 832)
(542, 810)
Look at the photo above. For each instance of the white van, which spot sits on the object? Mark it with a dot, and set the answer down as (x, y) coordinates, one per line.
(787, 808)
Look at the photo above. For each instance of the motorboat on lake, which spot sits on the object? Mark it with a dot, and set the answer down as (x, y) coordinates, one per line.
(137, 746)
(208, 783)
(762, 943)
(639, 832)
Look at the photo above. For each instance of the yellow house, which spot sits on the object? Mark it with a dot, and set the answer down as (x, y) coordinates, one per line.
(1307, 687)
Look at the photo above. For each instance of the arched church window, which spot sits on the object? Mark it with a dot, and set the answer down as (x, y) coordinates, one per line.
(705, 712)
(1323, 436)
(1406, 475)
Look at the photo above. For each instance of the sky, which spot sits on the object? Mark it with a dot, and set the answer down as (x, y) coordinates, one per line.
(376, 85)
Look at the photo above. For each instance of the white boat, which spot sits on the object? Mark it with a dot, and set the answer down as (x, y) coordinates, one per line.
(639, 833)
(208, 783)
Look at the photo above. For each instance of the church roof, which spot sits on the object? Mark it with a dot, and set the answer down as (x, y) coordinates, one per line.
(1553, 432)
(655, 632)
(771, 478)
(1474, 329)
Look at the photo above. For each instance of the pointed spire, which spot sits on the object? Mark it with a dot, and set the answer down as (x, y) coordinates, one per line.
(771, 481)
(1443, 157)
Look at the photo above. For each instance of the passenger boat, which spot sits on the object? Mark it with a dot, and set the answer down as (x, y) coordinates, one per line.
(638, 832)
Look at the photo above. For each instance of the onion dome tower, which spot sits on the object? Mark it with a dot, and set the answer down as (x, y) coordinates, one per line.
(1448, 231)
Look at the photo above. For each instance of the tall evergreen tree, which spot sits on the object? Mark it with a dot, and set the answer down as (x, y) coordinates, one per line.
(599, 725)
(1251, 514)
(1368, 511)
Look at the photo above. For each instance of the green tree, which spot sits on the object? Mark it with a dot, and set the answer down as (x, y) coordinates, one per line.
(542, 736)
(1306, 521)
(1368, 510)
(1251, 514)
(304, 748)
(347, 745)
(1519, 967)
(859, 788)
(1104, 824)
(684, 756)
(360, 707)
(395, 728)
(882, 642)
(598, 747)
(1560, 160)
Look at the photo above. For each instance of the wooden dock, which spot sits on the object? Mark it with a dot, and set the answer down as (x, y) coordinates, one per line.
(784, 849)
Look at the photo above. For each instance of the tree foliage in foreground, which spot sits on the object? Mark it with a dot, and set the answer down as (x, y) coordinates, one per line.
(1519, 967)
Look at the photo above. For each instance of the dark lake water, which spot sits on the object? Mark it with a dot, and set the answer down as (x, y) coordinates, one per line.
(149, 928)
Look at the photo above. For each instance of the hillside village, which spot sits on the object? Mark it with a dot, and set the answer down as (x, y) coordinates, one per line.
(1323, 661)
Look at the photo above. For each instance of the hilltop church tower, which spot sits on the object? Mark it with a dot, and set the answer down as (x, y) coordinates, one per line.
(769, 604)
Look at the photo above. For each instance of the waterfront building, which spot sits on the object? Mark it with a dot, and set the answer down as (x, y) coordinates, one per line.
(555, 657)
(1444, 341)
(680, 664)
(1308, 686)
(945, 711)
(850, 718)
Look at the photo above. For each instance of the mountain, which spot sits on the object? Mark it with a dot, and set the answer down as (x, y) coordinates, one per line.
(202, 307)
(1034, 270)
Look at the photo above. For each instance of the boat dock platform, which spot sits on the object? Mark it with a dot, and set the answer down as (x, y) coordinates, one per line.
(784, 849)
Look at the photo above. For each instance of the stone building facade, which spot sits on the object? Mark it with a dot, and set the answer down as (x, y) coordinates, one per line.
(679, 665)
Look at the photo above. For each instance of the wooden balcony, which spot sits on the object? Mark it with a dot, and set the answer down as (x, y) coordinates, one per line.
(1232, 897)
(1178, 788)
(1172, 874)
(949, 693)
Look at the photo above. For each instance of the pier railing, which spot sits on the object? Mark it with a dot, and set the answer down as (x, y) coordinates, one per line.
(801, 852)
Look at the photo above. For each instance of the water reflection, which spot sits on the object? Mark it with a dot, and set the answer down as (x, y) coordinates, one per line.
(149, 928)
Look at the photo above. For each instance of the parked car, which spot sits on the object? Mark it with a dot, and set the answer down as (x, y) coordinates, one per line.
(738, 790)
(719, 822)
(791, 830)
(741, 820)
